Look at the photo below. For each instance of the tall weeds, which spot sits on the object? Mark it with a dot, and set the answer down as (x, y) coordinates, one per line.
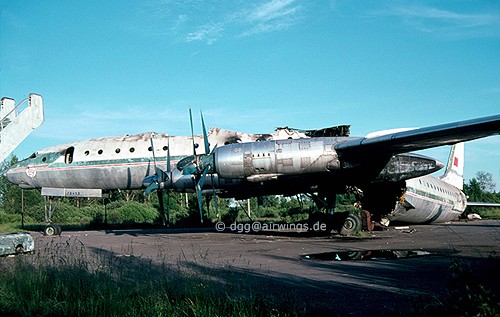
(65, 279)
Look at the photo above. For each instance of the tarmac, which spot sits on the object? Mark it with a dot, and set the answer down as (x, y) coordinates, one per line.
(395, 272)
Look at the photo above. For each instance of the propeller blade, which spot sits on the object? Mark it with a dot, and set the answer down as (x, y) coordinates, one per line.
(189, 169)
(205, 136)
(150, 179)
(168, 155)
(168, 208)
(216, 205)
(159, 192)
(199, 187)
(153, 150)
(192, 131)
(168, 170)
(162, 176)
(147, 170)
(153, 186)
(200, 204)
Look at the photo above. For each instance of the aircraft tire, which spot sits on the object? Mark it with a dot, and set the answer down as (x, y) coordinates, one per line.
(351, 225)
(19, 249)
(50, 230)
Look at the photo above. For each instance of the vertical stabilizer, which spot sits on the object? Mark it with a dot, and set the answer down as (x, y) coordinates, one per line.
(454, 174)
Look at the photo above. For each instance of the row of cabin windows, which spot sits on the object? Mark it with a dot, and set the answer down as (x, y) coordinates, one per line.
(442, 190)
(118, 150)
(68, 156)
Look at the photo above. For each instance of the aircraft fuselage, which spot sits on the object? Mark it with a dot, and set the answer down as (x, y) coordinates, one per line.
(242, 166)
(427, 200)
(242, 170)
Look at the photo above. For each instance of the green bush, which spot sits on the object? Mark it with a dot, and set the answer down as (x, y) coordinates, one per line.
(65, 213)
(9, 218)
(231, 215)
(131, 213)
(178, 216)
(294, 215)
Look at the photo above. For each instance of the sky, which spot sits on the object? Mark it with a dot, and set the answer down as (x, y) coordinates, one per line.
(123, 67)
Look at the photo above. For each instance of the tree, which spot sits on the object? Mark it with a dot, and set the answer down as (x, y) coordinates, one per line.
(481, 189)
(473, 190)
(485, 181)
(4, 183)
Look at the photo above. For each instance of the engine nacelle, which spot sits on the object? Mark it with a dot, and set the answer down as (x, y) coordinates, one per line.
(406, 166)
(266, 160)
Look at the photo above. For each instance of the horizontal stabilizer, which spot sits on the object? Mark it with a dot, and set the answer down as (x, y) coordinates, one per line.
(481, 204)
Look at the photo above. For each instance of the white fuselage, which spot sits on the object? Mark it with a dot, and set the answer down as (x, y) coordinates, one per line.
(118, 162)
(428, 199)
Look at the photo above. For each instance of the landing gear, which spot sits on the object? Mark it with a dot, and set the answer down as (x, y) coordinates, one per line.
(345, 223)
(51, 230)
(49, 206)
(352, 224)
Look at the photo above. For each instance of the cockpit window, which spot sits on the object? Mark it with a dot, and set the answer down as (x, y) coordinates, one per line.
(68, 155)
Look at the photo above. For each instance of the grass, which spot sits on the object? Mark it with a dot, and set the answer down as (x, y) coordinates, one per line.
(67, 280)
(490, 213)
(9, 227)
(466, 294)
(64, 278)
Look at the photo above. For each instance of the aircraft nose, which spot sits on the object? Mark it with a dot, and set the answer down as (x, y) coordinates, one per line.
(17, 177)
(8, 174)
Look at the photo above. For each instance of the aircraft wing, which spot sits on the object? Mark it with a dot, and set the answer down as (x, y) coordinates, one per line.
(422, 138)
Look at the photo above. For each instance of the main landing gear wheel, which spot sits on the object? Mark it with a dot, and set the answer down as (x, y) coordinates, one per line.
(51, 230)
(351, 225)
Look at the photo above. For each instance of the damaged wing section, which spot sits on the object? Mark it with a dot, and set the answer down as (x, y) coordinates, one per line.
(336, 131)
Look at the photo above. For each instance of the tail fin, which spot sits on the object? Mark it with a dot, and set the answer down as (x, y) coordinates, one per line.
(454, 174)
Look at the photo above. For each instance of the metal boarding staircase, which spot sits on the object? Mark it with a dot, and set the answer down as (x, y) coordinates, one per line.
(17, 124)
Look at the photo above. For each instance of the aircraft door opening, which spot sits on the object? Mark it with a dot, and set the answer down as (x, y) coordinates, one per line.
(68, 155)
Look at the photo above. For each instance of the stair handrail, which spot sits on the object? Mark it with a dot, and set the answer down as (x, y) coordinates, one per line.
(10, 112)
